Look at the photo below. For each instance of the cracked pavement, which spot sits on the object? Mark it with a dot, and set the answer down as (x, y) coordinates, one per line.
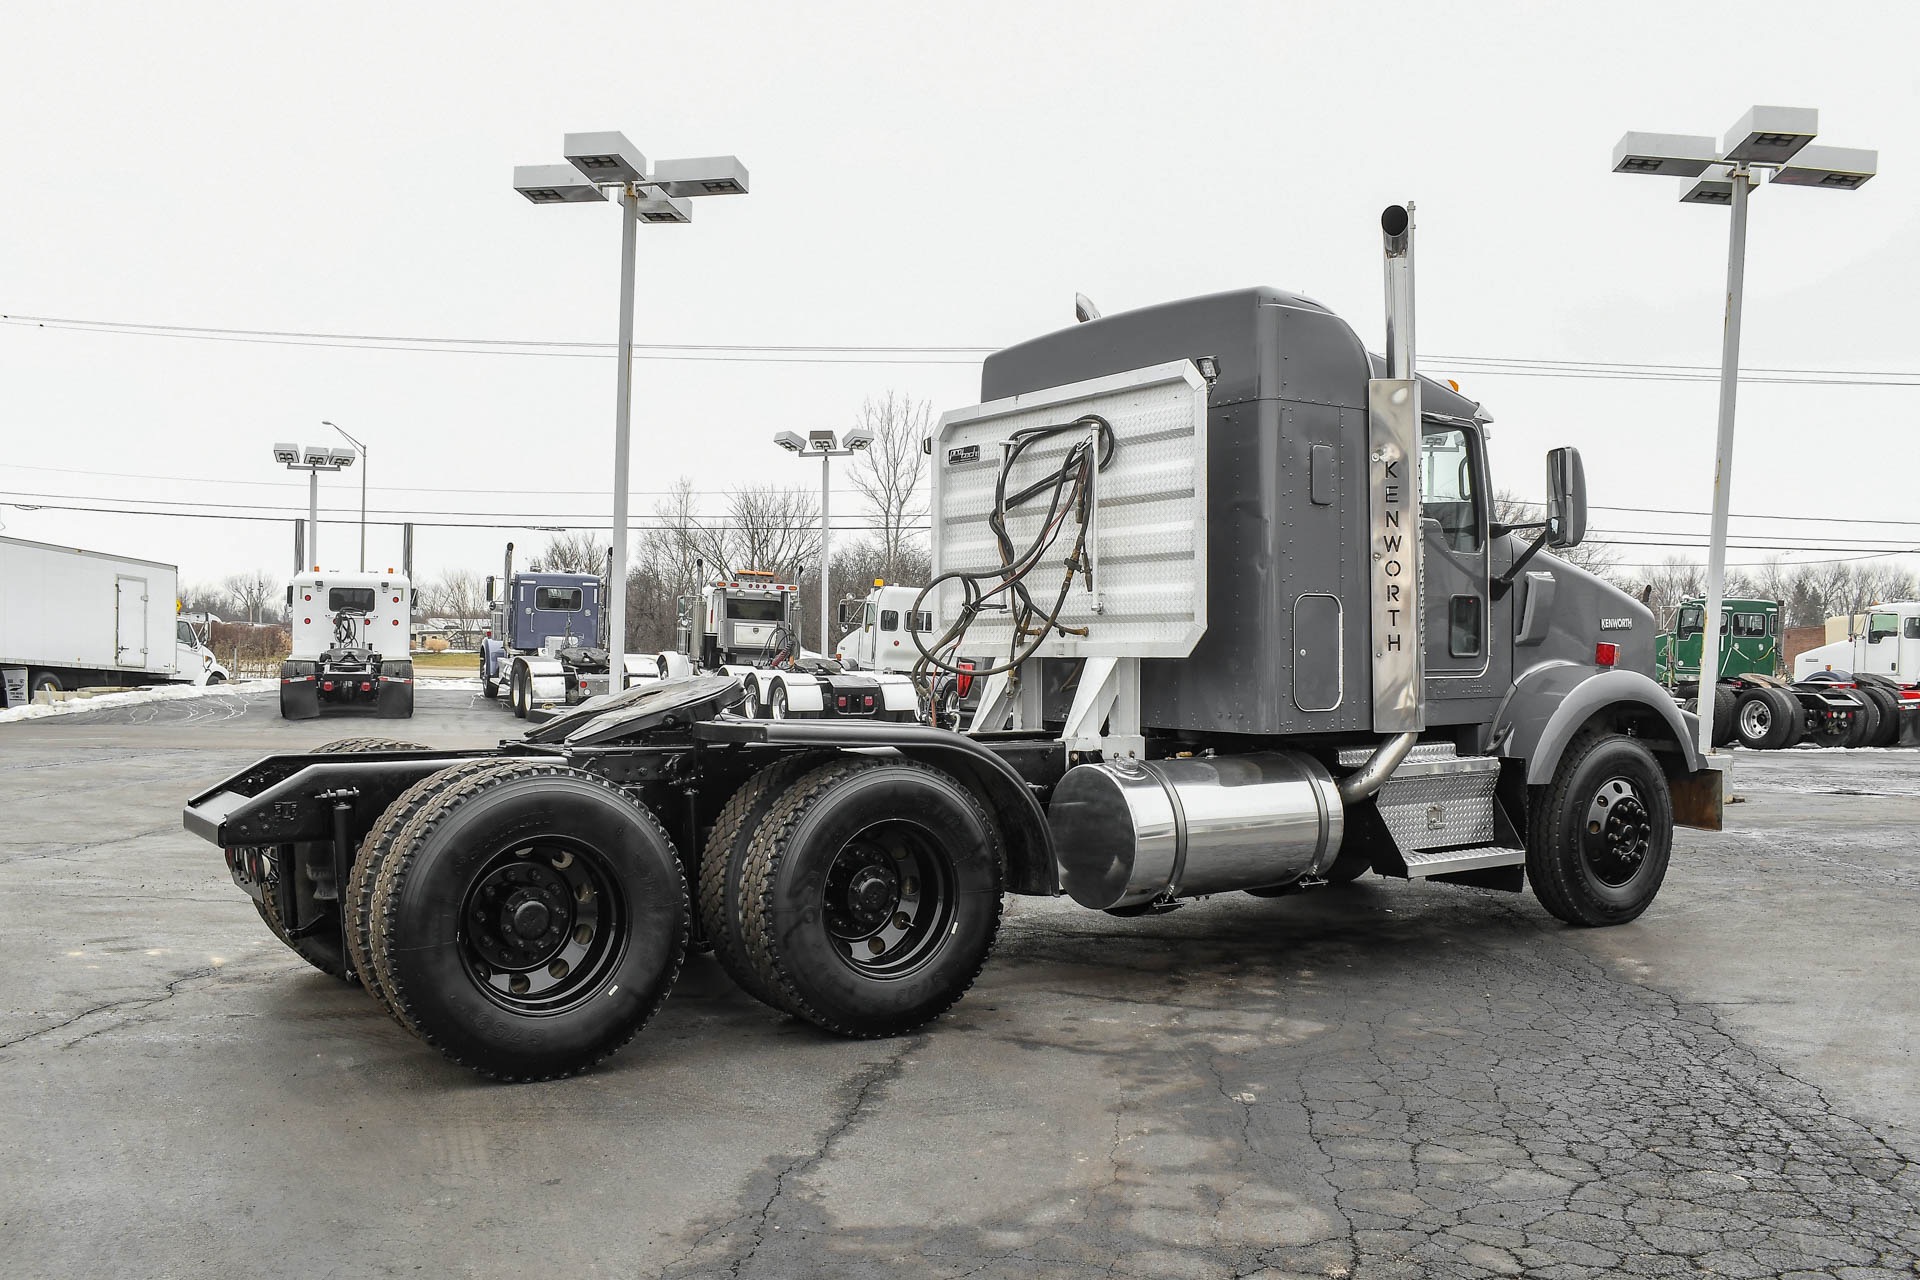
(1388, 1080)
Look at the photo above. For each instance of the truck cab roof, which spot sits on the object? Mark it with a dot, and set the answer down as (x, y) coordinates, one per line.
(1271, 345)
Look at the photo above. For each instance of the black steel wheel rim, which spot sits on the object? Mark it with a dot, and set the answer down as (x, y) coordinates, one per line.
(543, 925)
(889, 899)
(1618, 828)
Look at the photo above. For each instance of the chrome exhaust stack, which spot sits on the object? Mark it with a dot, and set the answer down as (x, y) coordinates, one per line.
(1393, 496)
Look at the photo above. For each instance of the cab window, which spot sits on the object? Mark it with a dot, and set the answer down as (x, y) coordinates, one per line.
(184, 634)
(558, 599)
(1882, 626)
(350, 599)
(923, 621)
(1446, 486)
(1690, 620)
(1747, 626)
(1910, 630)
(754, 609)
(889, 619)
(866, 623)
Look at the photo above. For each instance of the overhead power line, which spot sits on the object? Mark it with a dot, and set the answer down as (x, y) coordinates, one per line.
(929, 354)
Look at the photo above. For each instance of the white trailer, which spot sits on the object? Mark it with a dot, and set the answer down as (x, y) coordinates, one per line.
(71, 618)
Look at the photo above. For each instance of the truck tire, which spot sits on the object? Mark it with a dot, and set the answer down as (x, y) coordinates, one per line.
(777, 704)
(43, 681)
(750, 699)
(724, 860)
(1792, 712)
(519, 693)
(870, 895)
(1866, 719)
(1758, 723)
(1887, 732)
(1600, 834)
(1724, 701)
(528, 918)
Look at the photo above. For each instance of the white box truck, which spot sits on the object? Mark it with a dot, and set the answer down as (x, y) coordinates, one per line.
(71, 618)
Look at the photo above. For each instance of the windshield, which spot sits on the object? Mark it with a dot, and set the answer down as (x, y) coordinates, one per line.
(754, 608)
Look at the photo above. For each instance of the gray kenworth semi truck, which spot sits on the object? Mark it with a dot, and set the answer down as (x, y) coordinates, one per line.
(1249, 628)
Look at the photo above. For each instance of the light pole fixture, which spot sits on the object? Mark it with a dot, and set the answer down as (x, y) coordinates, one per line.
(363, 488)
(597, 163)
(1771, 140)
(824, 446)
(313, 459)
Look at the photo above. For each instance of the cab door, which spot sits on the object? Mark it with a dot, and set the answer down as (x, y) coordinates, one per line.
(1453, 528)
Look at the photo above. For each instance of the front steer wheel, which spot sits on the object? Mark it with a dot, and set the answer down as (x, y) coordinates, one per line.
(528, 919)
(1600, 834)
(870, 895)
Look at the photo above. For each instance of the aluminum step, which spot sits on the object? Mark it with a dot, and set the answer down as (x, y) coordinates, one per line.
(1441, 862)
(1426, 760)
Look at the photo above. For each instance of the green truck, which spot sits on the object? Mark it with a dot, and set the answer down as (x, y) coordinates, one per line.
(1753, 703)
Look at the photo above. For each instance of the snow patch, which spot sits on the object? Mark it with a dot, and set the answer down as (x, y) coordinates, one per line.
(134, 697)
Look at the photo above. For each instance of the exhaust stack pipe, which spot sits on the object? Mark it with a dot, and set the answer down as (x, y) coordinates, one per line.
(1396, 235)
(1393, 496)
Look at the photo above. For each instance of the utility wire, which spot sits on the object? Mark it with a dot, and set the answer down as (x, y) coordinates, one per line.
(841, 353)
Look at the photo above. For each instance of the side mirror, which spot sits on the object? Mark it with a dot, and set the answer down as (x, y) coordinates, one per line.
(1566, 498)
(489, 589)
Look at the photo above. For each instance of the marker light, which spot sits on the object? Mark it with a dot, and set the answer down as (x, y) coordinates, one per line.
(1605, 655)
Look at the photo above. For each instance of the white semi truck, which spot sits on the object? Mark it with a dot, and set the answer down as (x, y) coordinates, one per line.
(748, 626)
(1882, 665)
(71, 618)
(352, 645)
(881, 629)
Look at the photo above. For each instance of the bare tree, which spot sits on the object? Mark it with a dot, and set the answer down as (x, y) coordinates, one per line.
(457, 594)
(772, 527)
(1593, 556)
(575, 553)
(1674, 579)
(209, 598)
(252, 590)
(890, 472)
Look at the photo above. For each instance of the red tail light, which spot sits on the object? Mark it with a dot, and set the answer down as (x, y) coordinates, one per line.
(841, 702)
(327, 685)
(963, 681)
(366, 686)
(1605, 655)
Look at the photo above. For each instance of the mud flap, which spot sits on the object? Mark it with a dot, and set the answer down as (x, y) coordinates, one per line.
(299, 700)
(1699, 799)
(395, 701)
(299, 691)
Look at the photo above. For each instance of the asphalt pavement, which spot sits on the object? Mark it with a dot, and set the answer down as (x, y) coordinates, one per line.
(1385, 1080)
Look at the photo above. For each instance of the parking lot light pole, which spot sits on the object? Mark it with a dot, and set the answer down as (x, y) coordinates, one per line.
(1767, 139)
(363, 488)
(314, 459)
(821, 444)
(597, 163)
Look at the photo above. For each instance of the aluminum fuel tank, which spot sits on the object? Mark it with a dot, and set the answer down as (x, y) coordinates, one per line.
(1127, 831)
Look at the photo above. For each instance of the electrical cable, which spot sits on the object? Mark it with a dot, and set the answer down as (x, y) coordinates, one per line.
(1069, 490)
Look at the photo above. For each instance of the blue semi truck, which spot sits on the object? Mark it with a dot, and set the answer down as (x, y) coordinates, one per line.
(546, 646)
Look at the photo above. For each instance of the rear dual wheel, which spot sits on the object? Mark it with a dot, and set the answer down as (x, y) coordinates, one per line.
(869, 896)
(1764, 719)
(526, 918)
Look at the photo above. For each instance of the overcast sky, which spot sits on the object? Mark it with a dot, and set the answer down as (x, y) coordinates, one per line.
(921, 175)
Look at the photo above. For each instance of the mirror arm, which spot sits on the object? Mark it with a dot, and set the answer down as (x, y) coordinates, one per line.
(1504, 583)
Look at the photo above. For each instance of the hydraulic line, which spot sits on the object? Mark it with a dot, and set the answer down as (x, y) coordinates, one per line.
(1069, 492)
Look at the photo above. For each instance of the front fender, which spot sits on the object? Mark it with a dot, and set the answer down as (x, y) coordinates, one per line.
(1552, 703)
